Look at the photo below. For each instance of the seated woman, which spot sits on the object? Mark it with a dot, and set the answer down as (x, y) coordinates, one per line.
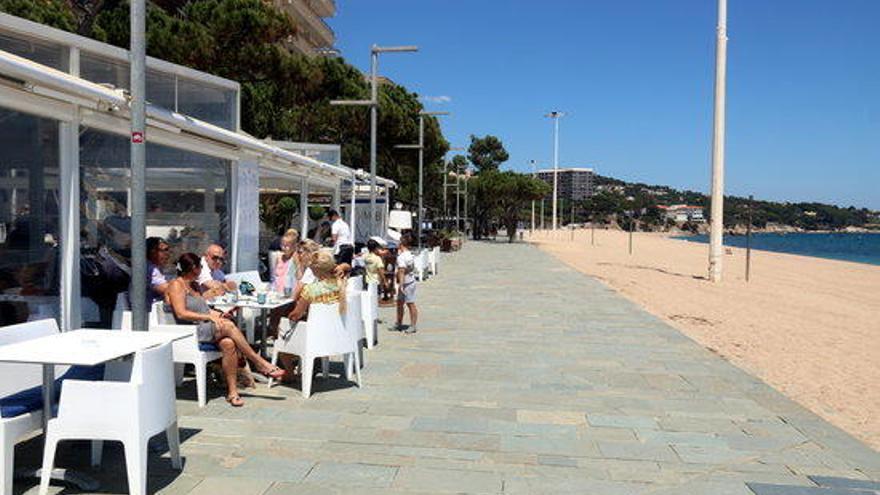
(326, 287)
(189, 307)
(284, 276)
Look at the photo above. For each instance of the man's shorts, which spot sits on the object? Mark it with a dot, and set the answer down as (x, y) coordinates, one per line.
(408, 294)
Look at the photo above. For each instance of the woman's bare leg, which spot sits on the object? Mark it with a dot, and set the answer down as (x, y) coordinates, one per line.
(230, 331)
(230, 365)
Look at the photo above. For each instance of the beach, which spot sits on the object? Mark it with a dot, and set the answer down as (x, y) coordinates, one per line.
(809, 327)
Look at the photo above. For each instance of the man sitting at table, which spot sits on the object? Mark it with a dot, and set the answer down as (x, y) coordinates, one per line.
(158, 253)
(212, 280)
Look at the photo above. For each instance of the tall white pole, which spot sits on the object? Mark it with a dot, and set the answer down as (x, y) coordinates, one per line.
(421, 168)
(138, 62)
(534, 175)
(555, 167)
(374, 108)
(352, 216)
(716, 235)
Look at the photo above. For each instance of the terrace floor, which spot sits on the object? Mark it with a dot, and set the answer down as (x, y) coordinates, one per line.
(525, 377)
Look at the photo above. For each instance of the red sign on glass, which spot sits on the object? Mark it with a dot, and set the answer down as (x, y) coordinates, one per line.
(137, 137)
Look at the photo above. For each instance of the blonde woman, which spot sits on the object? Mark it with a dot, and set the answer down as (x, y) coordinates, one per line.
(284, 276)
(326, 287)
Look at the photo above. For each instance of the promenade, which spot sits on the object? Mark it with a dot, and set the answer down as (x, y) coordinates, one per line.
(525, 377)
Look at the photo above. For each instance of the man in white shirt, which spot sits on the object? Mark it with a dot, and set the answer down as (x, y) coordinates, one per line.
(343, 244)
(212, 280)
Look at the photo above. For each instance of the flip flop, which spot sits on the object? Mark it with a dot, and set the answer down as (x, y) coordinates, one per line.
(235, 400)
(274, 372)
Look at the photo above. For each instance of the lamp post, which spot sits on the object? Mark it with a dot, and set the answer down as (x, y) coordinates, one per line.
(421, 148)
(534, 175)
(446, 184)
(138, 63)
(716, 238)
(373, 103)
(555, 116)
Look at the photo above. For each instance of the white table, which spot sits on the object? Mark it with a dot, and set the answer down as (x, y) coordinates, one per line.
(250, 302)
(78, 348)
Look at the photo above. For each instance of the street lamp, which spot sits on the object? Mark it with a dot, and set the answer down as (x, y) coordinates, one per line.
(421, 148)
(445, 185)
(535, 175)
(373, 103)
(715, 235)
(555, 116)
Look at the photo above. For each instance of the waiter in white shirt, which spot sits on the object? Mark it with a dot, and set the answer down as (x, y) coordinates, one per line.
(343, 244)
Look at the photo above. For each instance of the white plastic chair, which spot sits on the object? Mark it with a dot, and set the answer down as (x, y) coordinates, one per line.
(184, 351)
(354, 325)
(17, 378)
(323, 335)
(129, 412)
(370, 312)
(434, 259)
(421, 268)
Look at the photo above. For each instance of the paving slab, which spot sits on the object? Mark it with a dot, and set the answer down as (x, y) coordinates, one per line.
(525, 377)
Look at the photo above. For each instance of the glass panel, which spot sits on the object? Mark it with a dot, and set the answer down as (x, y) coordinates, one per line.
(186, 205)
(103, 71)
(160, 89)
(29, 221)
(210, 104)
(41, 52)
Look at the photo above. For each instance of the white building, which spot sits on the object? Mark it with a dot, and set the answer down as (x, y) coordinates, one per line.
(64, 170)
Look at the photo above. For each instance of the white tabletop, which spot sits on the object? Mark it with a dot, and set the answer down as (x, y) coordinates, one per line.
(83, 347)
(250, 302)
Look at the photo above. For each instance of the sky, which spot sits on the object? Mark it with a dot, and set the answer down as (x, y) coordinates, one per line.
(635, 79)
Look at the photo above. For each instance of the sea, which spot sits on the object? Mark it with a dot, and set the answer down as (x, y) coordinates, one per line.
(855, 247)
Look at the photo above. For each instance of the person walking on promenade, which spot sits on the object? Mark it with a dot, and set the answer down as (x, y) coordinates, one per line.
(406, 285)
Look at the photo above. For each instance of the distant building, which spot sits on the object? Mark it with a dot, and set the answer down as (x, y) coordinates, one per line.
(573, 183)
(313, 35)
(683, 213)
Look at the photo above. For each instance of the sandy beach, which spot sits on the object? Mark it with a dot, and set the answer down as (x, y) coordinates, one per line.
(807, 326)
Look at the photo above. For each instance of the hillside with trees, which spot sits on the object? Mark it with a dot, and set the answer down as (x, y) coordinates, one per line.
(614, 201)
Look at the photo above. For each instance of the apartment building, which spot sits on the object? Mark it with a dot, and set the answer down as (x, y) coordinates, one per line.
(574, 183)
(313, 35)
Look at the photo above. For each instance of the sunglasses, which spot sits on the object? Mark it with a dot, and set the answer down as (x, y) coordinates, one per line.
(218, 258)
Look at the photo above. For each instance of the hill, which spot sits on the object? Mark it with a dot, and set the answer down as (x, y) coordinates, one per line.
(614, 200)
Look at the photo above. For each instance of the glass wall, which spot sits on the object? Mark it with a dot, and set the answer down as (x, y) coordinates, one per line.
(203, 101)
(29, 220)
(41, 52)
(187, 198)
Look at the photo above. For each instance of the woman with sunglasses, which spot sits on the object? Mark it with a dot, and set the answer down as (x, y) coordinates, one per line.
(189, 307)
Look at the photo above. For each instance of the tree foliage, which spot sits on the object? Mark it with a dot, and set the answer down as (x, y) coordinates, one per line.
(487, 153)
(284, 96)
(502, 197)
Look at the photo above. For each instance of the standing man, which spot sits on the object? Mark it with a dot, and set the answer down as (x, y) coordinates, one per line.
(406, 285)
(212, 280)
(340, 232)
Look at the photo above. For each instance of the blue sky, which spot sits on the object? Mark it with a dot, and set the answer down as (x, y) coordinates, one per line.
(635, 78)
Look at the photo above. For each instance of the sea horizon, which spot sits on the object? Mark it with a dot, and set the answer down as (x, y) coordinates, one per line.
(856, 247)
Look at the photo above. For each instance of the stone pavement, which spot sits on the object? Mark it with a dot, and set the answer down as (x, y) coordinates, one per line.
(525, 377)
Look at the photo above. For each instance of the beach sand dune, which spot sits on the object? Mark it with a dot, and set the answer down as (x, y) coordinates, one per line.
(809, 327)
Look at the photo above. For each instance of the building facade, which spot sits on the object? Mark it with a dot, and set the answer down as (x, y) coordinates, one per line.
(683, 213)
(65, 192)
(574, 184)
(313, 34)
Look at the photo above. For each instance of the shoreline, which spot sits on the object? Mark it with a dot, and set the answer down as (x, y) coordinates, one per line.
(685, 238)
(803, 324)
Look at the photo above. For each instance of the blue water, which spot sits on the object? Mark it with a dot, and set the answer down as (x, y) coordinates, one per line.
(859, 248)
